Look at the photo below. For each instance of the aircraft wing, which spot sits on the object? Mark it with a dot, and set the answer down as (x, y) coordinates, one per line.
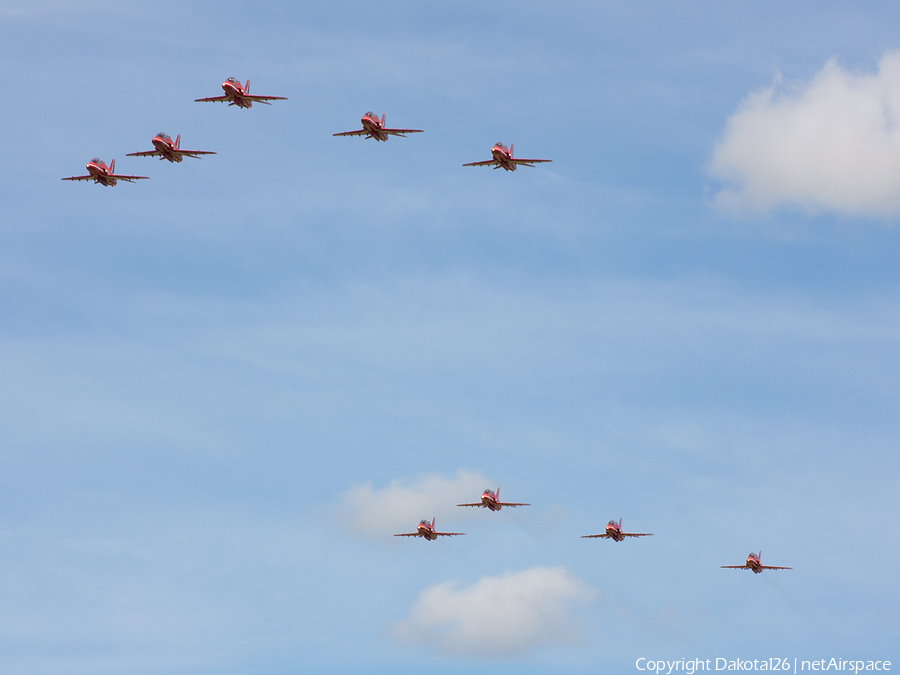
(449, 534)
(596, 536)
(487, 162)
(361, 132)
(636, 534)
(769, 567)
(735, 567)
(511, 504)
(528, 162)
(217, 99)
(194, 153)
(88, 177)
(145, 153)
(129, 179)
(400, 132)
(408, 534)
(263, 99)
(473, 504)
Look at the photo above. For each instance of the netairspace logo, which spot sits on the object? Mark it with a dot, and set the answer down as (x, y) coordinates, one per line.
(691, 666)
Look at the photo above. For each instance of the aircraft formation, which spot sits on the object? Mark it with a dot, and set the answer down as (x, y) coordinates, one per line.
(491, 500)
(237, 94)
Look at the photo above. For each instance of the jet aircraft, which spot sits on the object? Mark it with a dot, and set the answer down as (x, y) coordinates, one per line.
(503, 158)
(491, 500)
(753, 564)
(614, 532)
(426, 529)
(168, 149)
(105, 175)
(239, 94)
(374, 128)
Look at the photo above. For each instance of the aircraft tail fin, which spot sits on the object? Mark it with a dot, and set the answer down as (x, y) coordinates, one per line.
(383, 115)
(511, 150)
(178, 141)
(112, 166)
(247, 86)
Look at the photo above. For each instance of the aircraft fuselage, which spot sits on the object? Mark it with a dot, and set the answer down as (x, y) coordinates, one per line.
(754, 564)
(614, 533)
(100, 173)
(503, 154)
(373, 127)
(490, 502)
(427, 532)
(166, 147)
(235, 94)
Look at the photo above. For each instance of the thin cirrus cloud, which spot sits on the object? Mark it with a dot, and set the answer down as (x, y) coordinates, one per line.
(830, 144)
(505, 616)
(375, 514)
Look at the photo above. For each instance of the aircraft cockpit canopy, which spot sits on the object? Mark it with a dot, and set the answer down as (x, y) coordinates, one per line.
(424, 522)
(613, 523)
(489, 491)
(96, 160)
(371, 114)
(164, 135)
(751, 554)
(233, 80)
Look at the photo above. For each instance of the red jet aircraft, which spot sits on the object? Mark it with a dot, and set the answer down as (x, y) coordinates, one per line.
(105, 175)
(614, 532)
(374, 128)
(491, 500)
(168, 149)
(503, 158)
(239, 94)
(753, 564)
(426, 529)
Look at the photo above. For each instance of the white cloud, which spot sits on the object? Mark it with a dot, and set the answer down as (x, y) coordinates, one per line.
(402, 504)
(504, 616)
(830, 144)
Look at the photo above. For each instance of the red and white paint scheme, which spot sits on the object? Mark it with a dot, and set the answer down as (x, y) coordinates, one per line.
(105, 175)
(426, 529)
(614, 532)
(168, 149)
(503, 158)
(239, 94)
(374, 128)
(491, 500)
(753, 563)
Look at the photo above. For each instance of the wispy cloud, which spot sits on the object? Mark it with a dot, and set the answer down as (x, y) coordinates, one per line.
(374, 514)
(498, 617)
(830, 144)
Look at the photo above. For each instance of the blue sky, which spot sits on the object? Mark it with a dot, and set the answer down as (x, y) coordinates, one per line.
(222, 390)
